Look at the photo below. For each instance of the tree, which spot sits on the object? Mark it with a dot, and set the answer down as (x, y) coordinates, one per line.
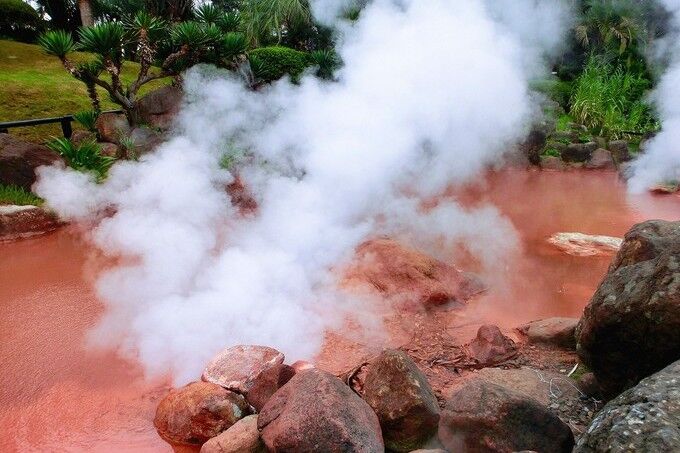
(267, 21)
(187, 43)
(85, 9)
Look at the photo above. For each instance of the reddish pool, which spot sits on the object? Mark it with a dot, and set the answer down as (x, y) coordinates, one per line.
(57, 395)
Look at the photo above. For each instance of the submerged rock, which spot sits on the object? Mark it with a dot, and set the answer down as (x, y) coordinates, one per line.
(402, 398)
(242, 437)
(197, 412)
(631, 327)
(579, 244)
(645, 418)
(491, 347)
(554, 331)
(408, 276)
(316, 412)
(17, 222)
(19, 159)
(485, 417)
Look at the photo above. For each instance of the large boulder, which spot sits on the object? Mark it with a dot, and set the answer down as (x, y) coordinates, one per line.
(631, 327)
(491, 347)
(242, 437)
(402, 398)
(601, 160)
(19, 159)
(579, 244)
(316, 412)
(18, 222)
(552, 331)
(112, 127)
(645, 418)
(485, 417)
(408, 276)
(533, 144)
(197, 412)
(159, 107)
(620, 151)
(579, 152)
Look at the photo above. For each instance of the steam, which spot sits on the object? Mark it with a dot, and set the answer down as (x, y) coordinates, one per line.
(661, 160)
(432, 92)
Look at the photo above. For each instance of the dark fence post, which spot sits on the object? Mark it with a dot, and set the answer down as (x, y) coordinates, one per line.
(66, 126)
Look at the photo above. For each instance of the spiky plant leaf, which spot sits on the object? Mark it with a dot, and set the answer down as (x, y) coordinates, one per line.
(208, 13)
(326, 61)
(151, 25)
(233, 44)
(229, 22)
(87, 119)
(86, 157)
(190, 34)
(58, 43)
(105, 39)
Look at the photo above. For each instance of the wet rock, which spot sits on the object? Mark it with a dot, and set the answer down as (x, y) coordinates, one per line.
(645, 418)
(540, 385)
(19, 159)
(532, 146)
(109, 149)
(267, 384)
(407, 276)
(491, 347)
(631, 327)
(601, 160)
(588, 384)
(482, 416)
(579, 152)
(552, 163)
(18, 222)
(237, 368)
(554, 331)
(620, 151)
(668, 188)
(242, 437)
(402, 398)
(159, 107)
(197, 412)
(579, 244)
(112, 127)
(316, 412)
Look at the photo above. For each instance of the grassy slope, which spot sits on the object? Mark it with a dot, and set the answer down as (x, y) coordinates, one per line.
(35, 85)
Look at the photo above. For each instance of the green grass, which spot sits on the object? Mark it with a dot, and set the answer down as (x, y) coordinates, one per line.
(17, 195)
(35, 85)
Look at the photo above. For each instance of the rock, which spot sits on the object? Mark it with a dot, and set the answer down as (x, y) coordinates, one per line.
(588, 384)
(554, 331)
(539, 385)
(579, 244)
(81, 136)
(241, 197)
(238, 367)
(112, 127)
(407, 276)
(316, 412)
(435, 450)
(159, 107)
(197, 412)
(601, 160)
(552, 163)
(619, 151)
(579, 152)
(242, 437)
(19, 159)
(533, 144)
(145, 140)
(267, 384)
(482, 416)
(491, 347)
(402, 398)
(645, 418)
(631, 327)
(667, 188)
(18, 222)
(110, 149)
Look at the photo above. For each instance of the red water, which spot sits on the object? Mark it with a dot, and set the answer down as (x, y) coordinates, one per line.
(57, 395)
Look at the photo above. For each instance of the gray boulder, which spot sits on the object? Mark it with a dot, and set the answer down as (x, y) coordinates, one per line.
(645, 418)
(159, 107)
(579, 152)
(620, 151)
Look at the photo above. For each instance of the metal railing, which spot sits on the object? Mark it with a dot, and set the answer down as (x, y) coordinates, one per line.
(65, 122)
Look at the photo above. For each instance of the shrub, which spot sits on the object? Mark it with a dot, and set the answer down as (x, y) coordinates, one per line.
(557, 90)
(19, 21)
(87, 119)
(86, 157)
(272, 63)
(18, 196)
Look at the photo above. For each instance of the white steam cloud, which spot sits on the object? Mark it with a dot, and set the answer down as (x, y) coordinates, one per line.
(661, 160)
(432, 92)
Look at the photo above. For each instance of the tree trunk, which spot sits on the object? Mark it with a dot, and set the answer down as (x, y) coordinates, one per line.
(85, 9)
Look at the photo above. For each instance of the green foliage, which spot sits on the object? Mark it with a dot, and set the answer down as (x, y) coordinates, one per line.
(609, 101)
(86, 157)
(87, 119)
(233, 44)
(564, 123)
(551, 152)
(105, 39)
(58, 43)
(190, 34)
(272, 63)
(229, 22)
(264, 20)
(144, 23)
(18, 20)
(554, 88)
(326, 62)
(18, 196)
(208, 14)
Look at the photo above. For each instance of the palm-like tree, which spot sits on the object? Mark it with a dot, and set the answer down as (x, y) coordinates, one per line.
(265, 21)
(86, 16)
(611, 25)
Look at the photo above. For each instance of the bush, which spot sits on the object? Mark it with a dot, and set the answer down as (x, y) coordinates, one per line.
(86, 157)
(18, 196)
(87, 119)
(272, 63)
(19, 21)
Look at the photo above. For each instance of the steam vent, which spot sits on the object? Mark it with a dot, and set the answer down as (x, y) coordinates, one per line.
(339, 226)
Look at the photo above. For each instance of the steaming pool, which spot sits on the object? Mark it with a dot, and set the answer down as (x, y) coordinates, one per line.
(58, 395)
